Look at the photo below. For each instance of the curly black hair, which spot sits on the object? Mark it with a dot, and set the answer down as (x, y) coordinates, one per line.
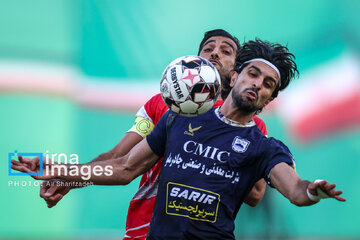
(273, 52)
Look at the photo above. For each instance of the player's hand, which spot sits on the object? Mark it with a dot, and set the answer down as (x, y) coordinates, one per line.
(52, 192)
(26, 165)
(327, 188)
(31, 165)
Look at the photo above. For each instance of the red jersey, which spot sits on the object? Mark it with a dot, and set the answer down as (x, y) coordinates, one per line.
(142, 204)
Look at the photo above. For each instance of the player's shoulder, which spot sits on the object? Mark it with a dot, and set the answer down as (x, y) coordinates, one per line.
(155, 100)
(277, 142)
(218, 103)
(271, 144)
(258, 121)
(260, 124)
(155, 108)
(256, 133)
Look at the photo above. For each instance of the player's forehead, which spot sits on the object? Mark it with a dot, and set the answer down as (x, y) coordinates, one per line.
(264, 69)
(221, 41)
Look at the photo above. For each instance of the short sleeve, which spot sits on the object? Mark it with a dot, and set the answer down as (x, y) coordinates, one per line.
(157, 138)
(142, 126)
(275, 153)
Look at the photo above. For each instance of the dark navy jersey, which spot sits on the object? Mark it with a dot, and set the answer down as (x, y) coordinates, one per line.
(210, 165)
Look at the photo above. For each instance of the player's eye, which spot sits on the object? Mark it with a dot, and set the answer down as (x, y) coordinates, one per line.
(252, 74)
(207, 49)
(226, 52)
(268, 84)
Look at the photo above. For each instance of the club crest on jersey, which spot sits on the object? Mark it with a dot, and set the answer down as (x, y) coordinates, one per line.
(191, 130)
(240, 145)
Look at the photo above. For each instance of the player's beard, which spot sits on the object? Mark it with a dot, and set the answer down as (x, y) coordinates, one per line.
(244, 104)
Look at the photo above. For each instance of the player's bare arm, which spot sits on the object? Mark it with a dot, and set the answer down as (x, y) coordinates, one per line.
(256, 194)
(52, 192)
(288, 183)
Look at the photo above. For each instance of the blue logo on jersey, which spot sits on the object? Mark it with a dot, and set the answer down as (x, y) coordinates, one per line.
(240, 145)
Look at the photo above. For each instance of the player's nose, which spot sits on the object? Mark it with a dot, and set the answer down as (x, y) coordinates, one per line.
(215, 53)
(257, 82)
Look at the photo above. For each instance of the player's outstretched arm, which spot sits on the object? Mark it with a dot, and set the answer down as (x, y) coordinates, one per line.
(123, 170)
(256, 194)
(53, 191)
(298, 191)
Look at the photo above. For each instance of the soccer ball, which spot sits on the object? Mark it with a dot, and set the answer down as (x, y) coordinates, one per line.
(190, 85)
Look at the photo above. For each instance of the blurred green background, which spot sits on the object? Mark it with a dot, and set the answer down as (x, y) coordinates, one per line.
(74, 72)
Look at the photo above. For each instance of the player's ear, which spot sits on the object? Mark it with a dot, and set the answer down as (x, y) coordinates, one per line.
(234, 76)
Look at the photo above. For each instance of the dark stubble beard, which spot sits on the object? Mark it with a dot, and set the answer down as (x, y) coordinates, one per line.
(242, 103)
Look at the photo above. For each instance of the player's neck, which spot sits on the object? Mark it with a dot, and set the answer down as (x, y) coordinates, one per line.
(235, 114)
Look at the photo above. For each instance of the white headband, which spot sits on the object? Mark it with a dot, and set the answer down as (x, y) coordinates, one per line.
(269, 64)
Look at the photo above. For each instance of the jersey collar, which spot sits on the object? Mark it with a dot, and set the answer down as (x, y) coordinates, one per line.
(232, 122)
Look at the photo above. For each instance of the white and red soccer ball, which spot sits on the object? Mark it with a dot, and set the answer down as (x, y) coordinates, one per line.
(190, 85)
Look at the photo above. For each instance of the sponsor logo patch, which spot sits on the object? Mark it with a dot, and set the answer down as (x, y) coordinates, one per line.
(191, 202)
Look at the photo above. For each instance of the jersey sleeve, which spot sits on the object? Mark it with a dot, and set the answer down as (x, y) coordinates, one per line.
(143, 124)
(275, 153)
(147, 116)
(260, 124)
(157, 138)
